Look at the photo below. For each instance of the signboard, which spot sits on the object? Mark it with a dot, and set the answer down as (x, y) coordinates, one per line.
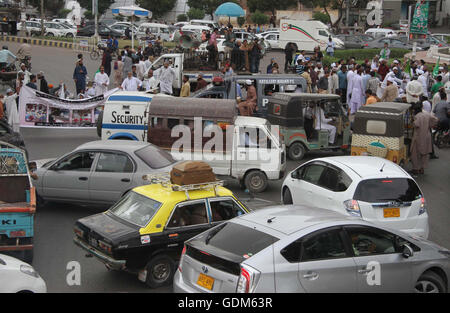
(84, 43)
(419, 22)
(38, 109)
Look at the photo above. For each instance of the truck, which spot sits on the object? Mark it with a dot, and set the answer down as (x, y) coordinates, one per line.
(245, 148)
(306, 35)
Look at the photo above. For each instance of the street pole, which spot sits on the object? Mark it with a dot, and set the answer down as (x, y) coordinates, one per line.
(42, 17)
(95, 12)
(347, 13)
(409, 21)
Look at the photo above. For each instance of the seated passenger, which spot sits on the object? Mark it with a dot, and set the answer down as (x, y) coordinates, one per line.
(247, 107)
(323, 123)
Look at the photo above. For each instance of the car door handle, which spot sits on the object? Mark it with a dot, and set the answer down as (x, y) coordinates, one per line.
(126, 180)
(364, 271)
(82, 178)
(311, 276)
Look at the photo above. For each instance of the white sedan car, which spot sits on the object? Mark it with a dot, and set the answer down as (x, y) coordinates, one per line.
(375, 189)
(53, 29)
(17, 276)
(272, 38)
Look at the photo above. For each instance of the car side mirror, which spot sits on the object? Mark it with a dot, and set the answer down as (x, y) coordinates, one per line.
(407, 251)
(295, 175)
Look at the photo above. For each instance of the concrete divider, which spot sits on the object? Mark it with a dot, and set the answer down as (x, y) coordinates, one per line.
(44, 42)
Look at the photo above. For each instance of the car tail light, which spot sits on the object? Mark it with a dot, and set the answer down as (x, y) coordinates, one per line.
(247, 280)
(352, 208)
(366, 45)
(106, 247)
(423, 206)
(180, 265)
(17, 233)
(78, 232)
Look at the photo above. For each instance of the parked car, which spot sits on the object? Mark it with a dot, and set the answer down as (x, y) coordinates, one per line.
(144, 232)
(355, 41)
(393, 42)
(32, 27)
(99, 172)
(53, 29)
(65, 21)
(442, 37)
(425, 43)
(122, 26)
(103, 30)
(380, 32)
(374, 189)
(272, 38)
(306, 249)
(19, 277)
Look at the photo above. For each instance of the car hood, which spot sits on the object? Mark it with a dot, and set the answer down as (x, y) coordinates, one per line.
(105, 226)
(40, 163)
(10, 262)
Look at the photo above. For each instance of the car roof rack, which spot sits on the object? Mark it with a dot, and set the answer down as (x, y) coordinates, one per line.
(164, 180)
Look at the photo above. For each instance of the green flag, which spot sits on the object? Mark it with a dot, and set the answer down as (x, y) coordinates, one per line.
(408, 67)
(436, 68)
(383, 55)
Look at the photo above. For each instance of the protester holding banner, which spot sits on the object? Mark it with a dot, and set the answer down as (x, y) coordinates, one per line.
(101, 82)
(11, 110)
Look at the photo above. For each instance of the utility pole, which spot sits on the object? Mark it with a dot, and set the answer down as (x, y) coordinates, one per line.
(95, 13)
(347, 13)
(42, 18)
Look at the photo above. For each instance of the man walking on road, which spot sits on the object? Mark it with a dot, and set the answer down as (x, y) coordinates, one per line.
(101, 82)
(166, 76)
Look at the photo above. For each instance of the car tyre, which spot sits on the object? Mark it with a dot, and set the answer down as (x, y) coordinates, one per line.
(160, 271)
(100, 124)
(296, 151)
(430, 282)
(256, 181)
(287, 196)
(50, 35)
(69, 35)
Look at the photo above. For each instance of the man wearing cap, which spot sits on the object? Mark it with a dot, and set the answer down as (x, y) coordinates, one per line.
(11, 110)
(414, 91)
(26, 73)
(390, 92)
(270, 66)
(423, 79)
(383, 69)
(247, 107)
(43, 85)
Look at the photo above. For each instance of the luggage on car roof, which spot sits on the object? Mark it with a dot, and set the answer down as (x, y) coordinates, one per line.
(192, 172)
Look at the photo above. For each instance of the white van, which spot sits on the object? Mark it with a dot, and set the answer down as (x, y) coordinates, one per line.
(196, 28)
(155, 29)
(208, 23)
(381, 32)
(306, 35)
(125, 116)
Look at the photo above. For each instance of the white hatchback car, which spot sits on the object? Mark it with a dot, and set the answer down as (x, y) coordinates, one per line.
(17, 276)
(375, 189)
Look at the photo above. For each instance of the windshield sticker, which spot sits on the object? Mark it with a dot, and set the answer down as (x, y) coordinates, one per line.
(145, 239)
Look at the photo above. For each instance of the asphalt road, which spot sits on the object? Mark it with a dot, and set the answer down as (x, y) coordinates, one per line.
(54, 248)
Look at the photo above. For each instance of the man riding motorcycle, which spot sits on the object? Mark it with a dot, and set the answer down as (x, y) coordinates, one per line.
(24, 54)
(4, 54)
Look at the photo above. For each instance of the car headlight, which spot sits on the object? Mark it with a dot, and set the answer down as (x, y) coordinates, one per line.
(26, 269)
(423, 206)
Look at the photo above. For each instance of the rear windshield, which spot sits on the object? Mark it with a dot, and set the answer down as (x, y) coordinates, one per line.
(391, 189)
(155, 157)
(238, 240)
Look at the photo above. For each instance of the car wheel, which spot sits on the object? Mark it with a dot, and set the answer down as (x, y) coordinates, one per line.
(429, 282)
(287, 196)
(69, 35)
(50, 35)
(256, 181)
(160, 271)
(296, 151)
(100, 124)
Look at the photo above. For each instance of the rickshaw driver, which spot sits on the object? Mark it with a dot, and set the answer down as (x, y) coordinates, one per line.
(321, 122)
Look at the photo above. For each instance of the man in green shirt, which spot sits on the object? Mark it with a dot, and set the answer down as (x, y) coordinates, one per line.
(437, 85)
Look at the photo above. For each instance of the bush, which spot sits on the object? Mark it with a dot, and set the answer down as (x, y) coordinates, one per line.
(182, 18)
(319, 16)
(259, 18)
(196, 14)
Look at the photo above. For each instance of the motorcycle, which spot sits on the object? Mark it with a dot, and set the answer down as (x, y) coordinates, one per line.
(27, 62)
(441, 138)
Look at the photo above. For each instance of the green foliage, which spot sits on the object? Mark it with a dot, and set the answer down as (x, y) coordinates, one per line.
(319, 16)
(52, 6)
(196, 14)
(88, 15)
(241, 21)
(103, 6)
(157, 7)
(270, 5)
(362, 54)
(208, 6)
(63, 13)
(182, 18)
(259, 18)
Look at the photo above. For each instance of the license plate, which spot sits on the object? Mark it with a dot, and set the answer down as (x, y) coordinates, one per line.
(391, 212)
(205, 281)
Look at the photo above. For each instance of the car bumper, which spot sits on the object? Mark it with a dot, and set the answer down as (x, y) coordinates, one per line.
(180, 287)
(106, 259)
(417, 226)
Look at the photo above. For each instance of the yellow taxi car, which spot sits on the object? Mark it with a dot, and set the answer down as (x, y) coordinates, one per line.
(145, 230)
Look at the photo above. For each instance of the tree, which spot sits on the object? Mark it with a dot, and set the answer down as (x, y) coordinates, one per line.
(209, 6)
(319, 16)
(63, 13)
(103, 5)
(195, 14)
(339, 5)
(182, 18)
(157, 7)
(270, 5)
(241, 21)
(259, 18)
(52, 6)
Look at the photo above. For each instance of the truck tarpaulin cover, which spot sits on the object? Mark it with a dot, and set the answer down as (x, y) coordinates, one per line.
(37, 109)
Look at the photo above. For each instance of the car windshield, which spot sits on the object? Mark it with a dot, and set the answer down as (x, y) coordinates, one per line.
(237, 239)
(387, 189)
(155, 157)
(136, 209)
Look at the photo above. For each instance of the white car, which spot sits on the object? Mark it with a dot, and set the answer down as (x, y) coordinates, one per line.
(17, 276)
(375, 189)
(122, 26)
(53, 29)
(272, 38)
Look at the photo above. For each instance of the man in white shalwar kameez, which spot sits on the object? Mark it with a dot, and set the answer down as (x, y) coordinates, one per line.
(101, 82)
(383, 86)
(321, 122)
(166, 76)
(350, 74)
(131, 83)
(11, 110)
(150, 83)
(357, 92)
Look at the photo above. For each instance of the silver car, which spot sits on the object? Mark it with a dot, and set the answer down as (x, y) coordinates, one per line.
(99, 172)
(306, 249)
